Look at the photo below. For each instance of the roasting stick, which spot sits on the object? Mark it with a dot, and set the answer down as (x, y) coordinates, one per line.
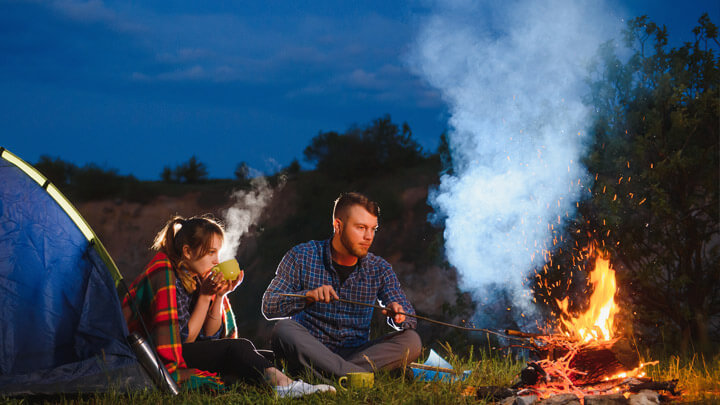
(504, 335)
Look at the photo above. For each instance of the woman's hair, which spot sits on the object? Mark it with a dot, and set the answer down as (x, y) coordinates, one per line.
(195, 232)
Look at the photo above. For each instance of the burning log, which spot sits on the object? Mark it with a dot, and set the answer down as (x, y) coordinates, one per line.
(575, 367)
(584, 363)
(600, 360)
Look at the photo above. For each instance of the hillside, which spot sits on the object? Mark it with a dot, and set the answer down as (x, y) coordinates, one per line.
(299, 210)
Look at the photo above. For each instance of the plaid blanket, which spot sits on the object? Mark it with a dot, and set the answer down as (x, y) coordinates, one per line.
(154, 296)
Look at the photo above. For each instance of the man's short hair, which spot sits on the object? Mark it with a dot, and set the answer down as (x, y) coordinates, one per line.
(347, 200)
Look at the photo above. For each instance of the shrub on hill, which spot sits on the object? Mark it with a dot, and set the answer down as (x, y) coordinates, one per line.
(92, 182)
(364, 152)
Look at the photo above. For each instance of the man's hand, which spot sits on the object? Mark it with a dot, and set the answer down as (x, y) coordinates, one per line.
(392, 310)
(324, 293)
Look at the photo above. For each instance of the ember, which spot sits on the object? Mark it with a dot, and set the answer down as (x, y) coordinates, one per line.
(587, 358)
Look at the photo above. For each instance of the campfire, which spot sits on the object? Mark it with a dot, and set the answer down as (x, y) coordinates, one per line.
(585, 359)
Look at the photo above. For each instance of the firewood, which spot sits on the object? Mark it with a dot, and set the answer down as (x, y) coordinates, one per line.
(601, 360)
(494, 393)
(588, 363)
(670, 386)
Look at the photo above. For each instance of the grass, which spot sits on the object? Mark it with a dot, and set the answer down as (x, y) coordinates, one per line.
(698, 378)
(699, 381)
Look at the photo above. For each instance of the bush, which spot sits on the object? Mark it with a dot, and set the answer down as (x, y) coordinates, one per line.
(56, 170)
(191, 172)
(364, 152)
(92, 182)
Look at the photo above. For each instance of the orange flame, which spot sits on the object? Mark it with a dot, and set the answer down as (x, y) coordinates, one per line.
(597, 322)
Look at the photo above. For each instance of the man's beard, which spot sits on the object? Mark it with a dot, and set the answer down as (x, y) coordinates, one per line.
(356, 251)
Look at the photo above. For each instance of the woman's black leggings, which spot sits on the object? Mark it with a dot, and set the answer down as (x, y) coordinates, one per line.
(234, 359)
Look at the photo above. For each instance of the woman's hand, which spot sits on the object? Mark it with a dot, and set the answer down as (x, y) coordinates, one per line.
(210, 283)
(227, 286)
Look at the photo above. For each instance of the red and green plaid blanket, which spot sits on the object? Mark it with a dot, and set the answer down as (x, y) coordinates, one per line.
(154, 296)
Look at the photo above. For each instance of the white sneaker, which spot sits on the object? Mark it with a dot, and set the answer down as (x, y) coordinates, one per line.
(299, 388)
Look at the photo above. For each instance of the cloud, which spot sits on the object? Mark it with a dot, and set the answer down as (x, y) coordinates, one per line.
(308, 54)
(241, 73)
(361, 79)
(86, 11)
(386, 83)
(95, 11)
(191, 73)
(185, 55)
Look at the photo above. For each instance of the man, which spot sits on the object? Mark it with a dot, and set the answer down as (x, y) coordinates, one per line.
(329, 337)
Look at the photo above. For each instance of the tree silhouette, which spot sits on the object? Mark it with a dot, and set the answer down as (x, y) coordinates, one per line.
(191, 172)
(364, 152)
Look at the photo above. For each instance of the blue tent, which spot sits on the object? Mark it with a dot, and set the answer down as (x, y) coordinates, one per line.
(62, 326)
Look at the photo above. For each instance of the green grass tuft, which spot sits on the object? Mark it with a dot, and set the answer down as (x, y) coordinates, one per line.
(699, 380)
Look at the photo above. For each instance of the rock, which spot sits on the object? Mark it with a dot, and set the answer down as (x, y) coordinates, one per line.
(508, 401)
(521, 400)
(612, 399)
(526, 400)
(644, 397)
(561, 399)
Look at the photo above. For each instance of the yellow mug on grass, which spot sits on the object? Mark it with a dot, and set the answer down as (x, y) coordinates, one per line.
(357, 380)
(230, 269)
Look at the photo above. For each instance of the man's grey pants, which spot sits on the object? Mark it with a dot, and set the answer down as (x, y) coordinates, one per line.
(302, 351)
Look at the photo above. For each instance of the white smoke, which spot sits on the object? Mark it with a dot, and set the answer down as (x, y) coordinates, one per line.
(512, 74)
(246, 210)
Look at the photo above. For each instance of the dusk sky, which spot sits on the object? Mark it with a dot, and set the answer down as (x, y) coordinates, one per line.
(137, 86)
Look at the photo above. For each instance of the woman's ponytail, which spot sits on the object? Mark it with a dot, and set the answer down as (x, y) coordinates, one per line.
(165, 239)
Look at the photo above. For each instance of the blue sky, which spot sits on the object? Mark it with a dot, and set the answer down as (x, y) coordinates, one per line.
(137, 86)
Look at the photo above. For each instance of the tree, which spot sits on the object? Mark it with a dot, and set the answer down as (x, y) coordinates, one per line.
(242, 171)
(91, 182)
(364, 152)
(654, 204)
(57, 170)
(191, 172)
(167, 175)
(293, 168)
(445, 154)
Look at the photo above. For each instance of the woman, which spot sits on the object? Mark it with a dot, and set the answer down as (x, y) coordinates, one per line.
(189, 317)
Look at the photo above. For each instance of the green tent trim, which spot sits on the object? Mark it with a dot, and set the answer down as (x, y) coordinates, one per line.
(70, 209)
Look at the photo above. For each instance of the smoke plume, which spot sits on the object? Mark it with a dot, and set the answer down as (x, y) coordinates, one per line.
(512, 74)
(246, 210)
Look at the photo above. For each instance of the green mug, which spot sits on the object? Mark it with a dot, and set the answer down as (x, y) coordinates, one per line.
(230, 269)
(357, 380)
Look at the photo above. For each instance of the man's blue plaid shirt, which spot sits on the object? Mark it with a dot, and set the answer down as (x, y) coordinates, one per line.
(337, 324)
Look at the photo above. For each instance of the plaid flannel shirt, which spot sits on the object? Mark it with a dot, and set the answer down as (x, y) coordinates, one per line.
(154, 293)
(336, 324)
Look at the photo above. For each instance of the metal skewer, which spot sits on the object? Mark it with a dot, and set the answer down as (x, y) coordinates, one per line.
(494, 332)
